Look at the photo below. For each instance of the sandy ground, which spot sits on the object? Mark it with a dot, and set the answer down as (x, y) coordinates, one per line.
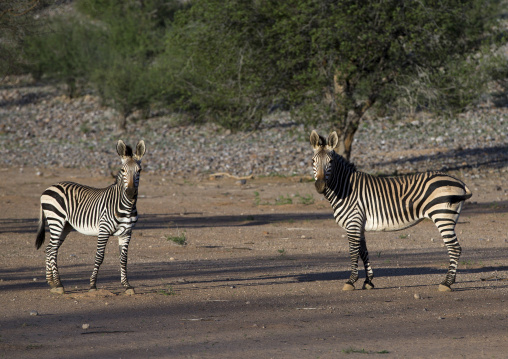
(257, 279)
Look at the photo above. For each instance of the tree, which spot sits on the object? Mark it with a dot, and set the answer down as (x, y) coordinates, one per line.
(16, 21)
(331, 60)
(110, 45)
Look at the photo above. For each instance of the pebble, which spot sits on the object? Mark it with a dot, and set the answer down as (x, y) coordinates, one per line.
(81, 133)
(417, 296)
(34, 312)
(85, 326)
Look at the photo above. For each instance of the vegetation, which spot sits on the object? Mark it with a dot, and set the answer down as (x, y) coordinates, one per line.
(330, 63)
(180, 239)
(16, 22)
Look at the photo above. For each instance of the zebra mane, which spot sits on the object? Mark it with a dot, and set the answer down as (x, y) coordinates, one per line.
(342, 161)
(128, 151)
(118, 177)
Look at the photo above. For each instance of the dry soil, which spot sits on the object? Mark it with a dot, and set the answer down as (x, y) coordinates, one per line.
(259, 277)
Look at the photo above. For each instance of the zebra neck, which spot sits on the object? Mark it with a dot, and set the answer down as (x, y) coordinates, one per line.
(121, 190)
(338, 183)
(125, 203)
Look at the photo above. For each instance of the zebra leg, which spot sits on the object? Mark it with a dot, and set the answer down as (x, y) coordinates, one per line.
(99, 257)
(364, 255)
(58, 231)
(123, 244)
(354, 237)
(446, 227)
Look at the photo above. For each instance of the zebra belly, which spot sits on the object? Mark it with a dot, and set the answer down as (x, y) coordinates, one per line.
(373, 226)
(89, 231)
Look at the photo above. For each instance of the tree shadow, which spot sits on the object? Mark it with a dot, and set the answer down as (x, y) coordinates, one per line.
(491, 157)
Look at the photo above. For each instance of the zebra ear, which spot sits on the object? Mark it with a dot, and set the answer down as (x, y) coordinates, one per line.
(121, 148)
(315, 139)
(140, 150)
(333, 140)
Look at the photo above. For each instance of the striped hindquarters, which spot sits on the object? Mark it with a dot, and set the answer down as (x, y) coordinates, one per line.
(393, 203)
(79, 205)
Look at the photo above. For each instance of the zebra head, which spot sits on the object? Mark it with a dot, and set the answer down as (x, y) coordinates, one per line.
(131, 167)
(322, 159)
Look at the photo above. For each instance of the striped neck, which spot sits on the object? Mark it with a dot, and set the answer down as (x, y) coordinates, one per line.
(339, 176)
(121, 188)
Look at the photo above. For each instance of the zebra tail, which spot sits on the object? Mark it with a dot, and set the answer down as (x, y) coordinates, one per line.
(41, 230)
(457, 199)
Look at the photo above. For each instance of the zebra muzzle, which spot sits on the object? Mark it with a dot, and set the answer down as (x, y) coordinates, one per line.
(131, 192)
(320, 185)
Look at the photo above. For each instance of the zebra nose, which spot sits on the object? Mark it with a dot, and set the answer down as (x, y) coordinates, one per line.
(131, 192)
(320, 185)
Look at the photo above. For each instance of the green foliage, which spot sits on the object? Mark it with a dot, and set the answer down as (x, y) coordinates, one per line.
(233, 62)
(352, 350)
(167, 291)
(17, 21)
(330, 61)
(306, 200)
(180, 239)
(66, 50)
(224, 78)
(110, 45)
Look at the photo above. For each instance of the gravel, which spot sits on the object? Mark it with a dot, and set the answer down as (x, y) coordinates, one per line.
(40, 127)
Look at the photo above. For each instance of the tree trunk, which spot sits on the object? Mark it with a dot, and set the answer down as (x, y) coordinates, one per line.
(121, 124)
(346, 135)
(348, 112)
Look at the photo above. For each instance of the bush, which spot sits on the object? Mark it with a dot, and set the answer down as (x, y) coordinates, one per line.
(111, 46)
(331, 61)
(66, 50)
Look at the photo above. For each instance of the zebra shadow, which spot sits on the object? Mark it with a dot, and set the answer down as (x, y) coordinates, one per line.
(18, 225)
(414, 271)
(195, 220)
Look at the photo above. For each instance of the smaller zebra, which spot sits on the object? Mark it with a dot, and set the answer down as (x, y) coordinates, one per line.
(101, 212)
(362, 202)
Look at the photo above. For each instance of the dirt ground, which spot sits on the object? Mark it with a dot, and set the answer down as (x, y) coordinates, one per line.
(259, 277)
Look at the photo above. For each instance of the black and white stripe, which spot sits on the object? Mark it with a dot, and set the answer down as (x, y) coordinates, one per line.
(362, 202)
(100, 212)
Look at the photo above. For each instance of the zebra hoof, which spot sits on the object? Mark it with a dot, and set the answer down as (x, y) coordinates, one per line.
(129, 291)
(444, 288)
(368, 286)
(92, 289)
(57, 290)
(348, 287)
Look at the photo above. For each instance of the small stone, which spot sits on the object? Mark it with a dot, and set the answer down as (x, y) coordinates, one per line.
(85, 326)
(34, 279)
(34, 312)
(417, 296)
(171, 258)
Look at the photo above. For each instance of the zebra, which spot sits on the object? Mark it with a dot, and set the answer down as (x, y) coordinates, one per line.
(99, 212)
(362, 202)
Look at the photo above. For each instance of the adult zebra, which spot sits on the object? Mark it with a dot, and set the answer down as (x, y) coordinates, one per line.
(362, 202)
(99, 212)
